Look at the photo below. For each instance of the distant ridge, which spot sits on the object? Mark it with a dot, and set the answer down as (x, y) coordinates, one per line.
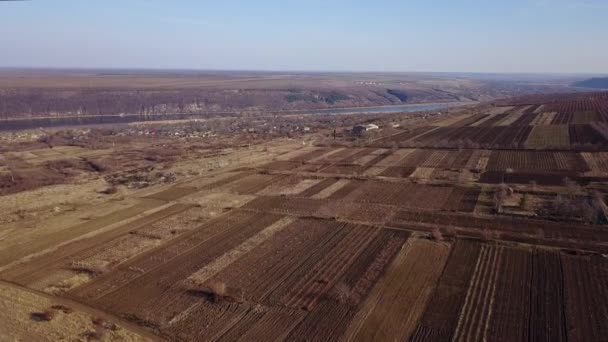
(595, 83)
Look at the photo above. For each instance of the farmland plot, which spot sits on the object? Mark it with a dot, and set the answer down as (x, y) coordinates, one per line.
(251, 184)
(484, 120)
(586, 136)
(415, 159)
(418, 196)
(509, 119)
(435, 159)
(52, 238)
(398, 300)
(522, 160)
(330, 318)
(162, 272)
(462, 199)
(479, 160)
(547, 137)
(289, 187)
(441, 315)
(493, 120)
(278, 257)
(501, 109)
(509, 316)
(451, 120)
(394, 158)
(422, 173)
(330, 190)
(397, 171)
(310, 155)
(319, 187)
(326, 272)
(547, 316)
(587, 117)
(299, 154)
(326, 156)
(586, 297)
(597, 162)
(545, 119)
(474, 317)
(285, 205)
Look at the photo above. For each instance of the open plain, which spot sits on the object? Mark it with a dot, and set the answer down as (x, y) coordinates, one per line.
(487, 223)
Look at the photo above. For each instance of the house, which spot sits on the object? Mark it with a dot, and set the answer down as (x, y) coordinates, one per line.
(360, 130)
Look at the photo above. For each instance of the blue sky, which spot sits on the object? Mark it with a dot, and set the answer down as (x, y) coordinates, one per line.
(565, 36)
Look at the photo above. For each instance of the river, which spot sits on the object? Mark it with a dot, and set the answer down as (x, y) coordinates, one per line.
(33, 123)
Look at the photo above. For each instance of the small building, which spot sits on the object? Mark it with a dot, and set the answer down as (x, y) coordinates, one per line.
(360, 130)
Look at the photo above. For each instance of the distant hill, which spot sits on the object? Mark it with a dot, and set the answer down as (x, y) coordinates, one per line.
(595, 83)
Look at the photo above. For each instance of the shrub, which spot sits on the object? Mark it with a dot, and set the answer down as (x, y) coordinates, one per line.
(341, 292)
(217, 290)
(437, 235)
(42, 316)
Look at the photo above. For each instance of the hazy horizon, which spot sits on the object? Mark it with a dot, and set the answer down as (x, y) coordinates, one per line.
(558, 37)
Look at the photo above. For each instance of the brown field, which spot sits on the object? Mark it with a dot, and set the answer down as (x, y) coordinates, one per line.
(407, 236)
(548, 137)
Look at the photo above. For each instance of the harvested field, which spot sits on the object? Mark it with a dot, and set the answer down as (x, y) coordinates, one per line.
(545, 119)
(473, 321)
(289, 187)
(597, 162)
(452, 120)
(286, 205)
(551, 178)
(201, 276)
(402, 138)
(398, 301)
(341, 191)
(395, 157)
(398, 171)
(316, 189)
(278, 256)
(586, 299)
(547, 315)
(548, 137)
(251, 184)
(435, 159)
(580, 118)
(463, 200)
(482, 122)
(422, 173)
(528, 160)
(172, 194)
(168, 268)
(500, 110)
(441, 314)
(510, 298)
(326, 272)
(509, 119)
(348, 170)
(310, 155)
(586, 136)
(415, 159)
(329, 190)
(365, 212)
(478, 160)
